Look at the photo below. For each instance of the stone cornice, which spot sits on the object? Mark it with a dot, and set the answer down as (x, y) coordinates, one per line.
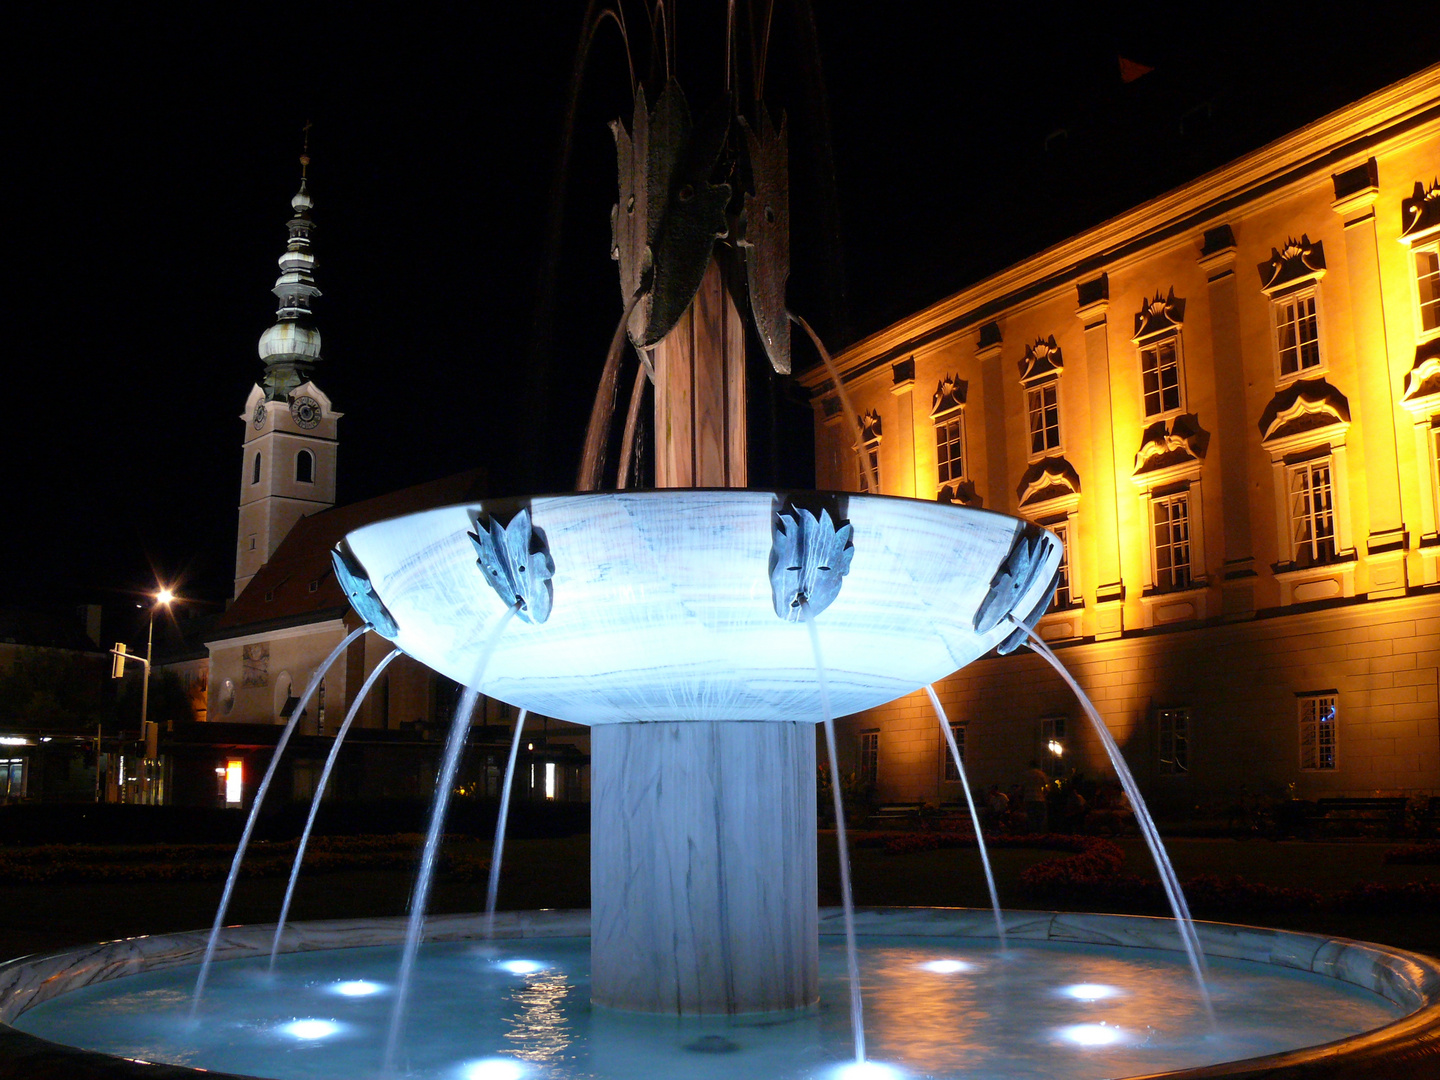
(1312, 147)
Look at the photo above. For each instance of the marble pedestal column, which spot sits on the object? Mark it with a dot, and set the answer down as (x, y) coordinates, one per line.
(702, 867)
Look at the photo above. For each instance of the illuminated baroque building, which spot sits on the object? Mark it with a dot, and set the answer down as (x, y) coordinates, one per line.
(1226, 401)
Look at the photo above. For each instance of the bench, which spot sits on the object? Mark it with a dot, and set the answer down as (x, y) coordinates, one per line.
(1364, 815)
(896, 814)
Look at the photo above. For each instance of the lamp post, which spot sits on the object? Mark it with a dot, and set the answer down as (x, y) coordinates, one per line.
(162, 598)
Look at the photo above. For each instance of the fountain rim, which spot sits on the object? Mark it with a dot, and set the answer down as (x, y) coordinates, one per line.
(1401, 976)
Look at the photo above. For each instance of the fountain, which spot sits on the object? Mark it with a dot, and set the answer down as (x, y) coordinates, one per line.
(702, 630)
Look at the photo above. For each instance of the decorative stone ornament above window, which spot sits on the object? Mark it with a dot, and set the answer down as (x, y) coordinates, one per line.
(1297, 263)
(1044, 481)
(1420, 213)
(1180, 449)
(1159, 316)
(1041, 360)
(1302, 408)
(869, 426)
(950, 395)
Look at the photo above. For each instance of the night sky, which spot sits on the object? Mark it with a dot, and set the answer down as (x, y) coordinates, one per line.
(152, 158)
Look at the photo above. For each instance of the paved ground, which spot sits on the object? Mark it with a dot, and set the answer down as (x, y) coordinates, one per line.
(556, 873)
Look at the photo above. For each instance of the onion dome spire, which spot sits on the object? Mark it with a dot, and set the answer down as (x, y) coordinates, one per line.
(291, 348)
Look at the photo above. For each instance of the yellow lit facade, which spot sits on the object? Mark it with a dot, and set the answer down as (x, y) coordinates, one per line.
(1227, 402)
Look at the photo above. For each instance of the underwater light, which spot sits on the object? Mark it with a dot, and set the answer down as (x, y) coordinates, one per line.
(1089, 991)
(522, 967)
(357, 988)
(1091, 1034)
(947, 967)
(311, 1029)
(493, 1069)
(867, 1070)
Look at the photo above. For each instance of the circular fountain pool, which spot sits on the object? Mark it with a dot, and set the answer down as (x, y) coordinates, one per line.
(1082, 996)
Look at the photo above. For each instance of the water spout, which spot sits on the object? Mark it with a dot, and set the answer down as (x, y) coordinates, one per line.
(866, 470)
(492, 889)
(852, 959)
(1188, 937)
(444, 783)
(255, 811)
(974, 814)
(319, 793)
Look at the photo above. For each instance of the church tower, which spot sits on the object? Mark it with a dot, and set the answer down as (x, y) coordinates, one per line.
(288, 464)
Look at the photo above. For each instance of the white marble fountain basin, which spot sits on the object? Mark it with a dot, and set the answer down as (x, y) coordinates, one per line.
(663, 611)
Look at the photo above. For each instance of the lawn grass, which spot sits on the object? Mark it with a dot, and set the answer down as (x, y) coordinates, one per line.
(555, 873)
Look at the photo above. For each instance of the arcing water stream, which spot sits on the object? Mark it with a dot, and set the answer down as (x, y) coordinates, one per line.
(974, 814)
(255, 811)
(1184, 923)
(319, 793)
(444, 783)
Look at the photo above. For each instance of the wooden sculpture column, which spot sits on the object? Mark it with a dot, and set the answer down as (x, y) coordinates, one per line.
(702, 833)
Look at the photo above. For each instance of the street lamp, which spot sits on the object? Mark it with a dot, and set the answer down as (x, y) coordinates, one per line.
(163, 598)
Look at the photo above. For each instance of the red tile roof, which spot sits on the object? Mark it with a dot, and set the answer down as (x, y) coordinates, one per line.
(297, 585)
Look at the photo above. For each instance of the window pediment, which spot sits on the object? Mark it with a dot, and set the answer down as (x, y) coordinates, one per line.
(950, 395)
(1297, 262)
(869, 426)
(1422, 382)
(1048, 479)
(1182, 446)
(1305, 406)
(1162, 315)
(960, 494)
(1041, 360)
(1420, 213)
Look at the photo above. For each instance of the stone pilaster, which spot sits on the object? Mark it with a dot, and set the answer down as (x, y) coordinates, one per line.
(1355, 193)
(1101, 515)
(1217, 260)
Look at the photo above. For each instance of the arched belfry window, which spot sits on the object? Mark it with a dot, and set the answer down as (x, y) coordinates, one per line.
(305, 467)
(255, 472)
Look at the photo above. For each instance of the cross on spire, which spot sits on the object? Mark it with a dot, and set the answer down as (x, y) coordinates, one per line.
(305, 150)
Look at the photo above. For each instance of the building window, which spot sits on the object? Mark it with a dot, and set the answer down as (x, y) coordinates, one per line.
(1297, 332)
(1160, 373)
(868, 770)
(950, 449)
(1318, 731)
(1174, 741)
(870, 468)
(952, 774)
(1312, 512)
(234, 774)
(255, 470)
(1063, 597)
(12, 778)
(1052, 745)
(1043, 405)
(305, 467)
(1170, 534)
(1427, 286)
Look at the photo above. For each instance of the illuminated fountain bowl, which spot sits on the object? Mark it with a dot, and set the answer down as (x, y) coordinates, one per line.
(662, 605)
(938, 1005)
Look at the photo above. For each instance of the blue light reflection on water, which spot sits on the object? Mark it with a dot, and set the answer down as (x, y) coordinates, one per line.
(941, 1008)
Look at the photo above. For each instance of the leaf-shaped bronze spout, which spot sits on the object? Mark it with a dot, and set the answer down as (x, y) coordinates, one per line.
(516, 563)
(361, 593)
(808, 558)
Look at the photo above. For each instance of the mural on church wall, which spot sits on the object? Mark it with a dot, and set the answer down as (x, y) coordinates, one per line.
(255, 664)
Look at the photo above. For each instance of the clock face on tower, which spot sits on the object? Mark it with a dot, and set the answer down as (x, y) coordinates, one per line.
(306, 412)
(259, 419)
